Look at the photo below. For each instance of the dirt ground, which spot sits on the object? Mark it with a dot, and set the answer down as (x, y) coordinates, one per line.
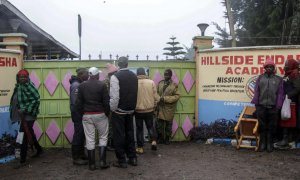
(175, 161)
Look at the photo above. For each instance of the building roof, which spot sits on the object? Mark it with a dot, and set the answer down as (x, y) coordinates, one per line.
(39, 41)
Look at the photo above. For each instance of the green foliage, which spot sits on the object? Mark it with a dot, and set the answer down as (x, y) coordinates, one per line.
(267, 22)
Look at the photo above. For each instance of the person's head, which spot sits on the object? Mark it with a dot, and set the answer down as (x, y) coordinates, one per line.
(269, 66)
(140, 71)
(168, 74)
(94, 73)
(111, 69)
(82, 74)
(23, 76)
(291, 64)
(123, 62)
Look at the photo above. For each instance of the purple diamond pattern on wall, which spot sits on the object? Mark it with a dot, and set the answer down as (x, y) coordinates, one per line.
(187, 126)
(35, 79)
(66, 82)
(174, 127)
(69, 130)
(175, 78)
(53, 131)
(188, 81)
(37, 130)
(157, 77)
(51, 83)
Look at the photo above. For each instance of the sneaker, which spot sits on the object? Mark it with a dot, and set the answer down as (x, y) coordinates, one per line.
(139, 150)
(153, 146)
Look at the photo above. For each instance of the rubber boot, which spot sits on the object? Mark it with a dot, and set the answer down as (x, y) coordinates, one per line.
(270, 142)
(91, 157)
(76, 155)
(285, 139)
(263, 142)
(102, 157)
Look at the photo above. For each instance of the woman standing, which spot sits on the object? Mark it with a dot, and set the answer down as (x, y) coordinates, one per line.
(292, 90)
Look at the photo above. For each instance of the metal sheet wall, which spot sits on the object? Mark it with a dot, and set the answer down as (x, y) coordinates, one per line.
(54, 127)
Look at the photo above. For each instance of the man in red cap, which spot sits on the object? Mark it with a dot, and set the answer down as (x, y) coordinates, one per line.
(268, 99)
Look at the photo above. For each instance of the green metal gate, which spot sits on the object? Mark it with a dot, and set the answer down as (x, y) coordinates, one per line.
(54, 127)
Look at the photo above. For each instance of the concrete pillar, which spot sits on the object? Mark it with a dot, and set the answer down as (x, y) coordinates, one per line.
(202, 42)
(14, 41)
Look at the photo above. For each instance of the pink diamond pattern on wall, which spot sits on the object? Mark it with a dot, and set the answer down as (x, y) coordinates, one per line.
(157, 77)
(174, 77)
(51, 83)
(37, 130)
(174, 127)
(69, 130)
(188, 81)
(187, 126)
(35, 79)
(66, 82)
(53, 131)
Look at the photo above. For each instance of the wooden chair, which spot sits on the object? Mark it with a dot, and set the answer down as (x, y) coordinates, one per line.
(247, 128)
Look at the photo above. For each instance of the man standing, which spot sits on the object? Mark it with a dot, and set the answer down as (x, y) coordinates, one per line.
(268, 99)
(78, 136)
(147, 99)
(93, 103)
(24, 106)
(123, 96)
(169, 95)
(111, 69)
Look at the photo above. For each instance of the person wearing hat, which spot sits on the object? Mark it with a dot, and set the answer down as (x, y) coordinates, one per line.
(123, 97)
(78, 155)
(292, 90)
(24, 107)
(93, 103)
(268, 99)
(111, 69)
(169, 95)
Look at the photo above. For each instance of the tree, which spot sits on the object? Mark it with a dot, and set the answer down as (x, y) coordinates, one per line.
(174, 50)
(267, 22)
(190, 53)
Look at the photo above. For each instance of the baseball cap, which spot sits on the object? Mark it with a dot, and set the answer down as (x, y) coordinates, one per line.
(93, 71)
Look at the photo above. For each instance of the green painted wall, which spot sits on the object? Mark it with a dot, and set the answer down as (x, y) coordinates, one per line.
(54, 109)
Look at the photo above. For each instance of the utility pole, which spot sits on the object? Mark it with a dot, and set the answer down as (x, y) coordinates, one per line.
(79, 33)
(231, 23)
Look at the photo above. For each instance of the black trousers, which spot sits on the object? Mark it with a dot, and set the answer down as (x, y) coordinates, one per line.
(78, 136)
(164, 130)
(139, 121)
(123, 136)
(24, 145)
(267, 118)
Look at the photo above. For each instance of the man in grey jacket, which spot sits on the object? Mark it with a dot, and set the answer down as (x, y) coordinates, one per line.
(268, 99)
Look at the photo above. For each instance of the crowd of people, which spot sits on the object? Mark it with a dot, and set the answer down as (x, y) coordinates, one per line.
(270, 92)
(110, 106)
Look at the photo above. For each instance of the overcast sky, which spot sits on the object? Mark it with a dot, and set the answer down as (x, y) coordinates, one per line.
(123, 26)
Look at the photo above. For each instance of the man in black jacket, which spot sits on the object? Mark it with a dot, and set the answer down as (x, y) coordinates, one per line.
(93, 103)
(78, 136)
(123, 96)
